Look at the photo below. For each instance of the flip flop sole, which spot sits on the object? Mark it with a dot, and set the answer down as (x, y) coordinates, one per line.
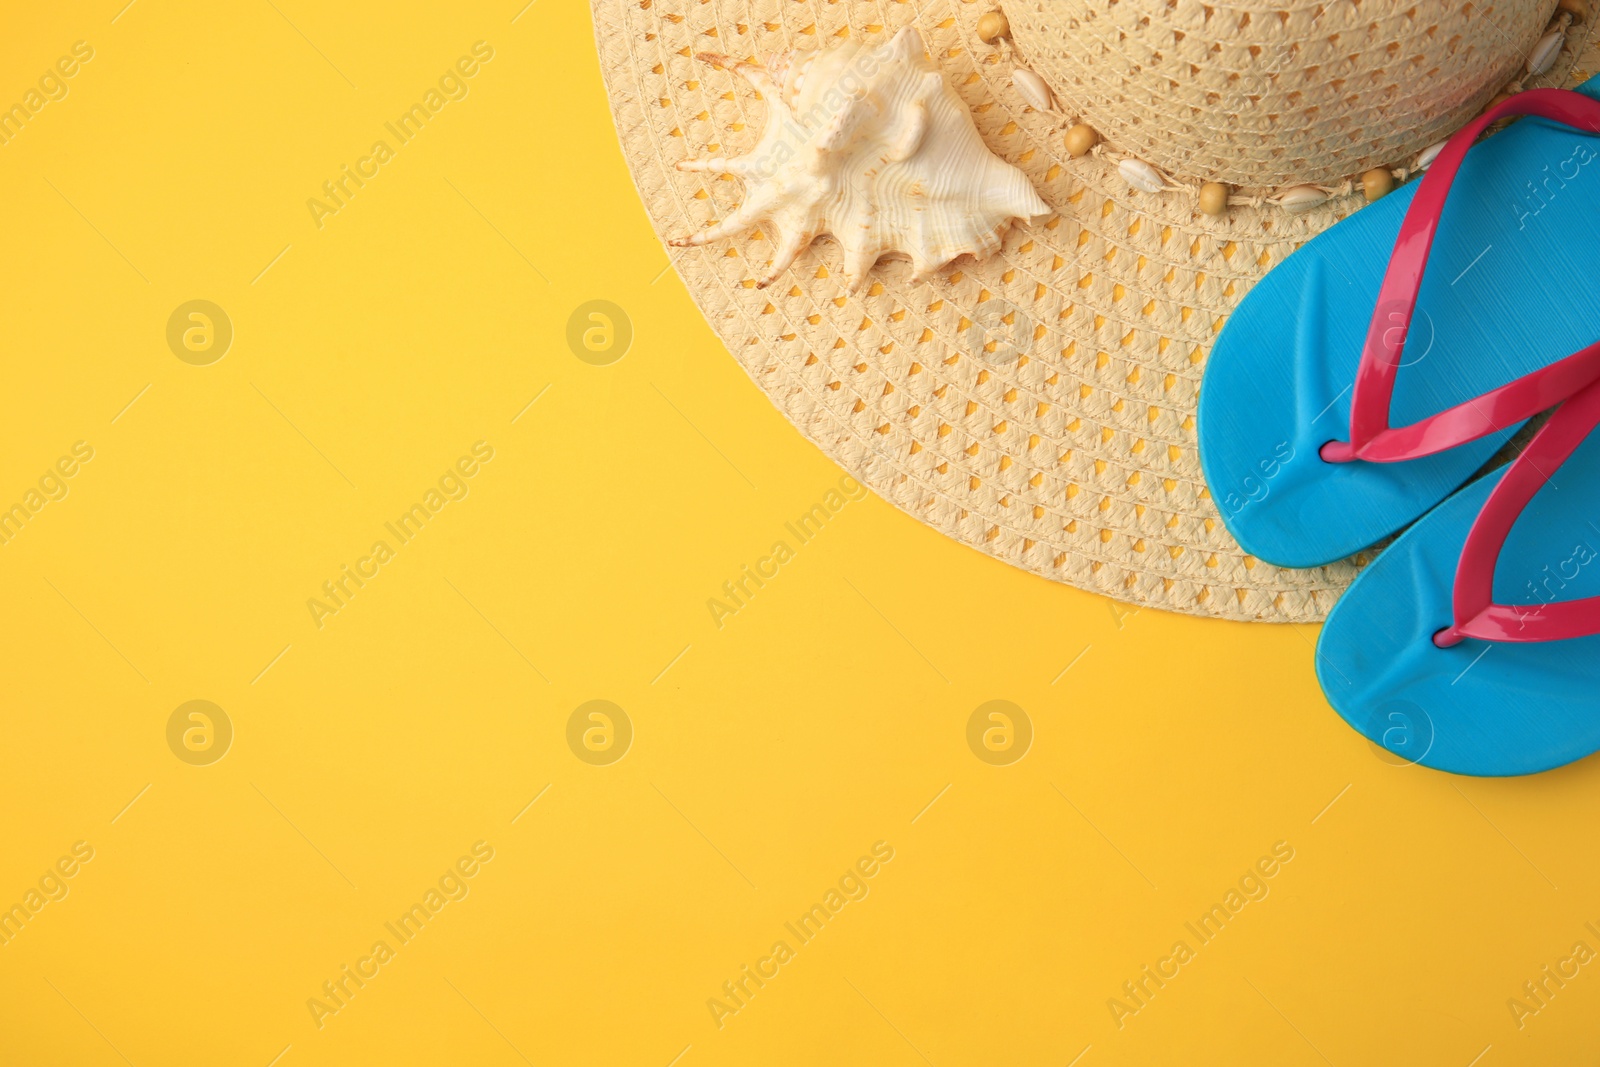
(1502, 297)
(1479, 708)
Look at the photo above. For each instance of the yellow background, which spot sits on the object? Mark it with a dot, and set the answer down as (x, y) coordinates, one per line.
(1169, 752)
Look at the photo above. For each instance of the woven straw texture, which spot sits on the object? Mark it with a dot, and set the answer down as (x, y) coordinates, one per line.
(1039, 406)
(1262, 95)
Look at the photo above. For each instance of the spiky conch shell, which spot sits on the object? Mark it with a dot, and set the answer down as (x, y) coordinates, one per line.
(870, 145)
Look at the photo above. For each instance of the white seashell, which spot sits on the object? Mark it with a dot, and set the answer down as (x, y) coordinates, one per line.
(868, 143)
(1032, 88)
(1544, 54)
(1426, 157)
(1141, 175)
(1298, 198)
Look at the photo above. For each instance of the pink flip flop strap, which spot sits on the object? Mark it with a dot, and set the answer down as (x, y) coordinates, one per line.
(1476, 613)
(1371, 437)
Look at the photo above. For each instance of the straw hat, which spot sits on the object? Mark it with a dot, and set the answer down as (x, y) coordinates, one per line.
(1040, 405)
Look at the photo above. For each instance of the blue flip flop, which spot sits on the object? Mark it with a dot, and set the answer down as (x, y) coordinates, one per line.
(1472, 644)
(1332, 348)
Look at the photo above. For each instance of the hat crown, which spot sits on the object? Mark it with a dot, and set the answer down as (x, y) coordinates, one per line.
(1260, 95)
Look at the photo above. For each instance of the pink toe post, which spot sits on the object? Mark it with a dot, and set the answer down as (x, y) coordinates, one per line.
(1476, 613)
(1371, 437)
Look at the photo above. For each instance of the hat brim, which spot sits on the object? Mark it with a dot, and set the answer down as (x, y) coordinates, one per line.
(1038, 406)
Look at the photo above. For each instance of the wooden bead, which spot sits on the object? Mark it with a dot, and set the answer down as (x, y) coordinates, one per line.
(1496, 101)
(992, 26)
(1377, 183)
(1578, 9)
(1214, 198)
(1080, 139)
